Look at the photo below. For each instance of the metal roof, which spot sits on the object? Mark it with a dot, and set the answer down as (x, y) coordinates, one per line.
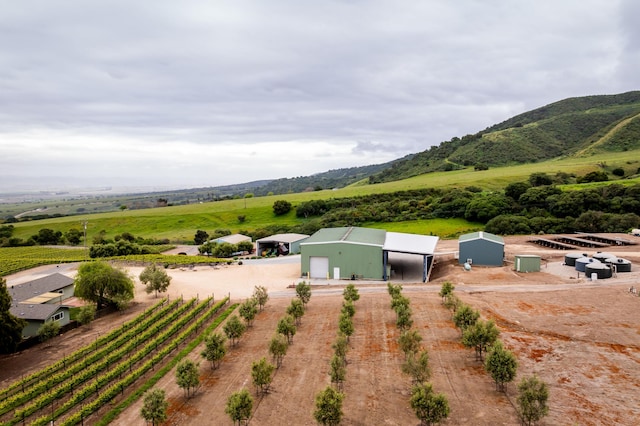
(410, 243)
(283, 238)
(350, 235)
(233, 238)
(481, 236)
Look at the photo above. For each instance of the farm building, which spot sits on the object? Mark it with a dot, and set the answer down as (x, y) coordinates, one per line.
(41, 300)
(527, 263)
(361, 253)
(280, 244)
(232, 239)
(481, 248)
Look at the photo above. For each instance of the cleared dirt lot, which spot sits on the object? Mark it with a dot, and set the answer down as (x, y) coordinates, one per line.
(579, 336)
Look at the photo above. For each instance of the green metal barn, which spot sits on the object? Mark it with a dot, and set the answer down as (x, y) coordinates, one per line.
(481, 248)
(360, 253)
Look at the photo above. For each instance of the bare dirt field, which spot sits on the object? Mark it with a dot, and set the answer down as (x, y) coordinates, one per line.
(581, 337)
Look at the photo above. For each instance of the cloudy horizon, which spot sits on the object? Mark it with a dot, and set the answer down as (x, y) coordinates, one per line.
(193, 94)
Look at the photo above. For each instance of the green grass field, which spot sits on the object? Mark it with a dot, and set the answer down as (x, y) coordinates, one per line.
(179, 223)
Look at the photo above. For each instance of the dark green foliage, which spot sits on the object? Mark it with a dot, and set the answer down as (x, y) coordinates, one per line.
(540, 179)
(482, 208)
(618, 171)
(201, 237)
(329, 407)
(515, 189)
(233, 329)
(154, 408)
(214, 350)
(281, 207)
(86, 314)
(239, 406)
(430, 407)
(532, 399)
(10, 325)
(48, 330)
(73, 236)
(502, 365)
(596, 176)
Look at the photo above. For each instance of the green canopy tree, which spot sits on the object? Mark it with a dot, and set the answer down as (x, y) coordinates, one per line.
(446, 289)
(278, 348)
(480, 336)
(345, 325)
(262, 375)
(532, 399)
(261, 295)
(101, 283)
(239, 406)
(214, 349)
(417, 366)
(430, 407)
(248, 310)
(154, 408)
(502, 365)
(350, 293)
(296, 310)
(465, 316)
(329, 407)
(10, 325)
(187, 376)
(287, 327)
(303, 291)
(155, 278)
(234, 328)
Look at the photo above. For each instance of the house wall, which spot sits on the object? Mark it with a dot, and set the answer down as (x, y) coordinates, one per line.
(362, 261)
(31, 330)
(483, 252)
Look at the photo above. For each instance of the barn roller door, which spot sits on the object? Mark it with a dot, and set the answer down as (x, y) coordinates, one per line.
(318, 267)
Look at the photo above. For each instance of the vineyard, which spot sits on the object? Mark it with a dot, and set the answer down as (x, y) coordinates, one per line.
(15, 259)
(71, 390)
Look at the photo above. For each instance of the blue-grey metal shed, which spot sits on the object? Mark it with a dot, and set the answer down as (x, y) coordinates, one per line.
(481, 248)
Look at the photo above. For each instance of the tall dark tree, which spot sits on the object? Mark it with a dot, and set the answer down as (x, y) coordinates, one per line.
(10, 325)
(201, 237)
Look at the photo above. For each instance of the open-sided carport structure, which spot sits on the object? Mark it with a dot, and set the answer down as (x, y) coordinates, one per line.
(280, 244)
(361, 253)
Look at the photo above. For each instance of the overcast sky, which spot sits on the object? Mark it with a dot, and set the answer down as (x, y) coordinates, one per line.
(204, 93)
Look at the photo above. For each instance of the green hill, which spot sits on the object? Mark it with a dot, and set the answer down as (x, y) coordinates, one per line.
(571, 127)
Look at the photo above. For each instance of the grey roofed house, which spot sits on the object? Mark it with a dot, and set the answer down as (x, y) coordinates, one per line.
(41, 300)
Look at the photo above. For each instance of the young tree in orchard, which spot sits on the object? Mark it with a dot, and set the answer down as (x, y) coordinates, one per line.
(502, 365)
(239, 406)
(187, 376)
(248, 310)
(155, 279)
(303, 291)
(154, 408)
(409, 342)
(340, 347)
(278, 348)
(430, 407)
(399, 302)
(394, 289)
(287, 327)
(532, 399)
(214, 349)
(86, 314)
(261, 295)
(329, 407)
(446, 289)
(345, 325)
(10, 325)
(296, 310)
(348, 308)
(350, 293)
(48, 330)
(262, 375)
(465, 316)
(337, 371)
(417, 366)
(101, 283)
(403, 317)
(480, 336)
(234, 328)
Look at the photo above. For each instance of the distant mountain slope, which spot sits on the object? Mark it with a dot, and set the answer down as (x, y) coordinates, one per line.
(337, 178)
(575, 126)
